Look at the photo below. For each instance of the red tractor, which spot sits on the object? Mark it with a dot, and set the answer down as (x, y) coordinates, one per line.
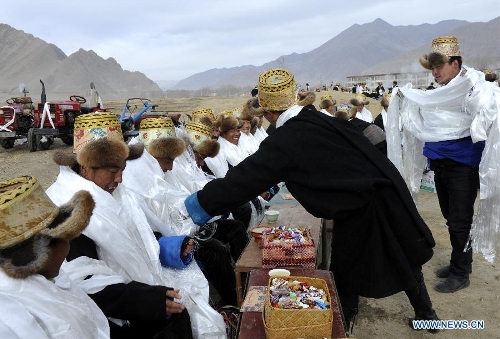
(57, 120)
(16, 118)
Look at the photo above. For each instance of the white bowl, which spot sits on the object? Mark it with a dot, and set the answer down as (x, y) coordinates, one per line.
(272, 216)
(279, 272)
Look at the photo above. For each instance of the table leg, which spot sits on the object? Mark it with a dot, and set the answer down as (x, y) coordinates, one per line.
(239, 287)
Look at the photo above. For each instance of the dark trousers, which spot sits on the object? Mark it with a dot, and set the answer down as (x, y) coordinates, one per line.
(218, 254)
(456, 186)
(177, 326)
(418, 297)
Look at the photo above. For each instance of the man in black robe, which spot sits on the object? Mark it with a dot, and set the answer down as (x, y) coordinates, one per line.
(380, 241)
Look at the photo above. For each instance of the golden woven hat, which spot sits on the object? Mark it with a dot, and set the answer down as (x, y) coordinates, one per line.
(28, 219)
(154, 128)
(204, 112)
(197, 132)
(89, 127)
(446, 45)
(327, 96)
(276, 89)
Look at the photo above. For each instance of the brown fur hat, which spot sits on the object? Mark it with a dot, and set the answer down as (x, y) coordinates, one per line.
(226, 123)
(305, 98)
(167, 148)
(206, 121)
(208, 148)
(433, 59)
(384, 103)
(29, 220)
(359, 100)
(489, 75)
(325, 103)
(103, 152)
(251, 109)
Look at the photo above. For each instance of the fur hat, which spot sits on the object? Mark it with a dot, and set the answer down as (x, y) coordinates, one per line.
(306, 98)
(251, 109)
(443, 48)
(226, 123)
(327, 101)
(200, 139)
(167, 148)
(29, 220)
(489, 75)
(384, 102)
(359, 100)
(104, 152)
(276, 90)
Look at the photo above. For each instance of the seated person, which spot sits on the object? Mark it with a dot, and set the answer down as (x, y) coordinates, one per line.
(38, 299)
(162, 204)
(374, 133)
(121, 240)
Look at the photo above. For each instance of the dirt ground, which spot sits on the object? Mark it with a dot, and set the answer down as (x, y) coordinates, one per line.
(382, 318)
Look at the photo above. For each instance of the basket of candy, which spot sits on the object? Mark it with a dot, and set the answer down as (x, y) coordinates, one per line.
(288, 246)
(297, 307)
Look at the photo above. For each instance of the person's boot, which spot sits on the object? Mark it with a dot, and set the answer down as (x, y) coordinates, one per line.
(452, 284)
(444, 272)
(422, 305)
(349, 318)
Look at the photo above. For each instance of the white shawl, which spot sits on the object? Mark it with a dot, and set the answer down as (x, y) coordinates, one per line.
(127, 245)
(467, 105)
(35, 307)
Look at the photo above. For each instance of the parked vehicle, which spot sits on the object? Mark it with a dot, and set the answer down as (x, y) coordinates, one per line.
(15, 121)
(57, 119)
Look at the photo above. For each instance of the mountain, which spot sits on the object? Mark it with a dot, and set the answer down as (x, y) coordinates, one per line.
(372, 48)
(26, 59)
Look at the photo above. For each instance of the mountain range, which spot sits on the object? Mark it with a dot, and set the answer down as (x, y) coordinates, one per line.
(372, 48)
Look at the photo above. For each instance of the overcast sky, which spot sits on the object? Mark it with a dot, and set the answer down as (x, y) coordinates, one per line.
(171, 40)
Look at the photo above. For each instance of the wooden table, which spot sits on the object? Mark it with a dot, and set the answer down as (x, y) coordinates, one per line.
(290, 214)
(251, 325)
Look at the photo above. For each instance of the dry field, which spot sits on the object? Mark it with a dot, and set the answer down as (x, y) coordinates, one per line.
(382, 318)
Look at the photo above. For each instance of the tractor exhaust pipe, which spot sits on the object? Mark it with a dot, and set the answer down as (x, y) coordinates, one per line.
(43, 96)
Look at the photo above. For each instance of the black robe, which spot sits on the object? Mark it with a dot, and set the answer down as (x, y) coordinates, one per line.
(336, 173)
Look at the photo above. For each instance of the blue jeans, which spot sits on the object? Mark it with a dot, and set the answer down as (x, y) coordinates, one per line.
(456, 186)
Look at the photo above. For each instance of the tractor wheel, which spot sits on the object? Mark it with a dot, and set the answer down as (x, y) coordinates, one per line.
(31, 140)
(43, 142)
(7, 143)
(67, 139)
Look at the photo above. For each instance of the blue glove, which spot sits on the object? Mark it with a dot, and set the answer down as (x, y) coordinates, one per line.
(171, 252)
(196, 212)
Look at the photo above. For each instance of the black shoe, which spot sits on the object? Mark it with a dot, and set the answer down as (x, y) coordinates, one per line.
(452, 284)
(444, 272)
(431, 330)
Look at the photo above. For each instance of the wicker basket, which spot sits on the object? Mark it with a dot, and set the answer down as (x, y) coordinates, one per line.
(298, 323)
(276, 254)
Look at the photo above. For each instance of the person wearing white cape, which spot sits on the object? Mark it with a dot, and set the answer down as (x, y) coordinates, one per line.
(120, 237)
(38, 299)
(456, 127)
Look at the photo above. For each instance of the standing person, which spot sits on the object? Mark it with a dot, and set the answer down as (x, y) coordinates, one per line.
(307, 86)
(381, 119)
(38, 299)
(380, 241)
(448, 126)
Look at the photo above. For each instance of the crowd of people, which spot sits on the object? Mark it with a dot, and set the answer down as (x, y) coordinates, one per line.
(129, 238)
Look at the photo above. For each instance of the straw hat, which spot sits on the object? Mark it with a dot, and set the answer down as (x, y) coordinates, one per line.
(154, 128)
(200, 139)
(29, 219)
(443, 48)
(89, 127)
(276, 89)
(204, 112)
